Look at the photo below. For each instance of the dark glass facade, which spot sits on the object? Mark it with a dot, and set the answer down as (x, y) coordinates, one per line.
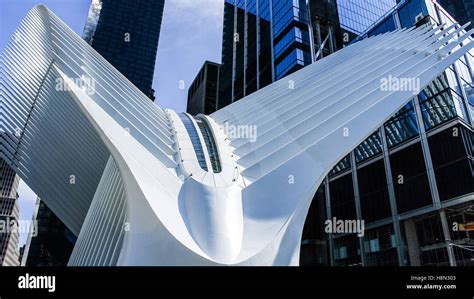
(463, 11)
(263, 41)
(374, 200)
(203, 92)
(342, 197)
(314, 248)
(126, 33)
(410, 178)
(452, 152)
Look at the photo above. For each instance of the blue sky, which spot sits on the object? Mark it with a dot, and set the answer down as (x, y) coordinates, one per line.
(191, 33)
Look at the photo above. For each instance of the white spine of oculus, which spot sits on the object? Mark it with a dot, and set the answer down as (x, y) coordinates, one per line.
(140, 187)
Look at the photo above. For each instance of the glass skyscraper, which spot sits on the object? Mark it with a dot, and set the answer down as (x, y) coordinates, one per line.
(126, 34)
(263, 41)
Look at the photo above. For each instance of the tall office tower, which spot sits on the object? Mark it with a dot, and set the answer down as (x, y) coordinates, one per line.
(126, 34)
(463, 11)
(9, 212)
(263, 41)
(412, 180)
(202, 94)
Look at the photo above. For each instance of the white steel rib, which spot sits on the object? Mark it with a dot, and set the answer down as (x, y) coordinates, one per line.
(139, 186)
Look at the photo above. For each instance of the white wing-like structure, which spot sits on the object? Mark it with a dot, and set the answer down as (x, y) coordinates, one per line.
(140, 185)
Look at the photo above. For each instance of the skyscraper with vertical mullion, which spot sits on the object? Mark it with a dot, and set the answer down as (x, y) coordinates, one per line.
(263, 41)
(292, 50)
(126, 34)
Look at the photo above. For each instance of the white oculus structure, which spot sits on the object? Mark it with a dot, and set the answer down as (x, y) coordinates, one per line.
(140, 185)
